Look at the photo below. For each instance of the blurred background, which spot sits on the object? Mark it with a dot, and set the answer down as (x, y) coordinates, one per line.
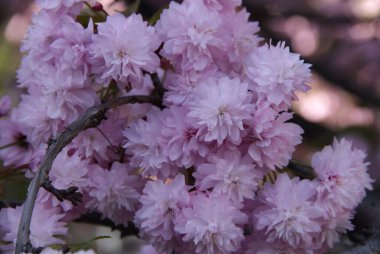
(340, 38)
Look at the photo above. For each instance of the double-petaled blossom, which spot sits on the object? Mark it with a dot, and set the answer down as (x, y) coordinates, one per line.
(114, 192)
(275, 74)
(289, 216)
(192, 35)
(45, 228)
(180, 143)
(220, 109)
(342, 176)
(144, 143)
(212, 223)
(231, 176)
(160, 204)
(272, 139)
(122, 49)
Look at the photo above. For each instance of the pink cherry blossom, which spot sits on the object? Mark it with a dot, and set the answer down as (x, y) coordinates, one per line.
(212, 224)
(191, 34)
(273, 139)
(220, 109)
(289, 216)
(230, 176)
(46, 226)
(276, 74)
(180, 144)
(161, 202)
(114, 192)
(342, 176)
(122, 49)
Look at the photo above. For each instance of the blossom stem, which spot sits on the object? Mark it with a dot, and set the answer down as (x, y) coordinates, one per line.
(9, 145)
(89, 119)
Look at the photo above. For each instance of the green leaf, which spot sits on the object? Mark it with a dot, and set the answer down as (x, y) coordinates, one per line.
(84, 17)
(157, 14)
(133, 8)
(298, 169)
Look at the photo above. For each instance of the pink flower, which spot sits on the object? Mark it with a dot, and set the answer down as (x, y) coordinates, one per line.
(123, 49)
(160, 204)
(242, 40)
(342, 176)
(287, 212)
(114, 192)
(180, 144)
(273, 140)
(102, 144)
(230, 176)
(144, 142)
(191, 35)
(31, 116)
(333, 227)
(181, 86)
(212, 224)
(276, 74)
(46, 226)
(69, 170)
(220, 108)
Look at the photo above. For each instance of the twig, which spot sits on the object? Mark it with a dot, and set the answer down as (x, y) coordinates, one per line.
(89, 119)
(71, 194)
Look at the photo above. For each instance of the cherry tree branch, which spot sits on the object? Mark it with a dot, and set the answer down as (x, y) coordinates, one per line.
(89, 119)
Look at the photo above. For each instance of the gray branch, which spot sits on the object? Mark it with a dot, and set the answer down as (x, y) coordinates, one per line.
(89, 119)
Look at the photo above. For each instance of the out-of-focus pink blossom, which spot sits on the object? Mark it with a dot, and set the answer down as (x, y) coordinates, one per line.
(72, 7)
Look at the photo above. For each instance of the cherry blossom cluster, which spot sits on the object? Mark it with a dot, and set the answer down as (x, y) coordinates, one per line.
(188, 174)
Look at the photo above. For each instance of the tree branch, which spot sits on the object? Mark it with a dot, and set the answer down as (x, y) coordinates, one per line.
(89, 119)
